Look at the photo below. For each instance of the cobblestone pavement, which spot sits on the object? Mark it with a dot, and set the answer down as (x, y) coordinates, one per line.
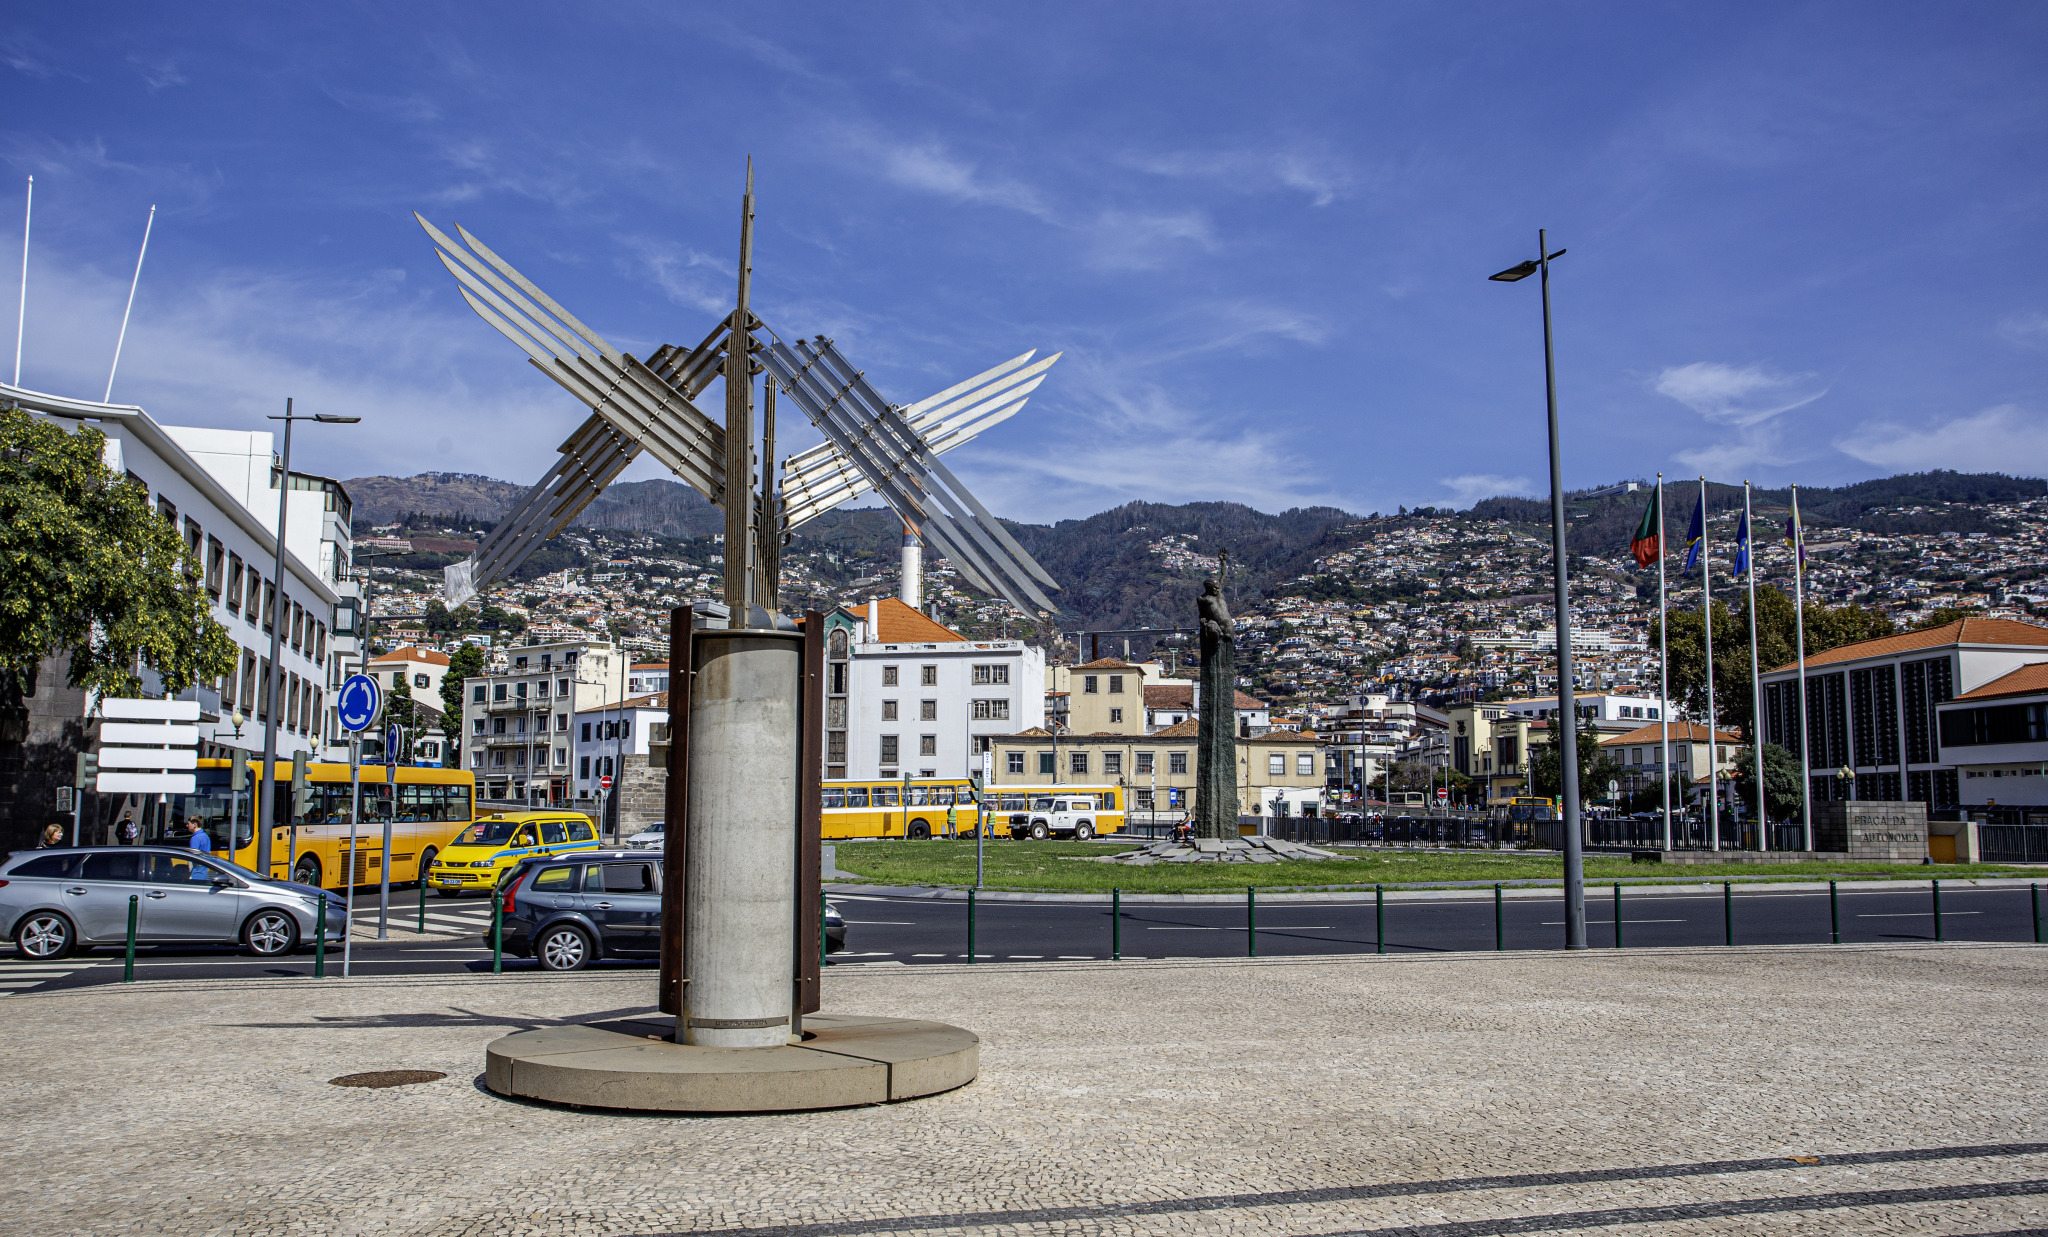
(1653, 1092)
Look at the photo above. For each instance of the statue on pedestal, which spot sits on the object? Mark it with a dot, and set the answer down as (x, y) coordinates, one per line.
(1216, 715)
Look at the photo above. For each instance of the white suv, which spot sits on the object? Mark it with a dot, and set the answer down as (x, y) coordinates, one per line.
(1066, 817)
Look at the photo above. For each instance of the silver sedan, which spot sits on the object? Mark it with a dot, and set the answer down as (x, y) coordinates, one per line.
(55, 901)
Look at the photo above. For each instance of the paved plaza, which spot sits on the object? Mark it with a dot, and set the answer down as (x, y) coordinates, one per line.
(1651, 1091)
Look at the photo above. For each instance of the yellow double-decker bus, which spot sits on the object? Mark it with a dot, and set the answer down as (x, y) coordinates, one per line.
(426, 807)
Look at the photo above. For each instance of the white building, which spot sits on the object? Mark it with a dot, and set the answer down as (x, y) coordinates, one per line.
(413, 669)
(647, 678)
(605, 737)
(1592, 706)
(516, 723)
(907, 696)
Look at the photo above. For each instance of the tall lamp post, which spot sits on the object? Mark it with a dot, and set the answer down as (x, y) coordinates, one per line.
(266, 809)
(1567, 709)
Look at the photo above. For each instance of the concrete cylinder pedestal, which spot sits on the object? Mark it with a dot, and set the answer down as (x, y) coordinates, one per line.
(740, 931)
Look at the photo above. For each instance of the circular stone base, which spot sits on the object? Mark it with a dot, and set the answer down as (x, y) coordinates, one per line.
(635, 1063)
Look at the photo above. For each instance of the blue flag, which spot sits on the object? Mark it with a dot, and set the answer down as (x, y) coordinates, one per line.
(1742, 545)
(1695, 534)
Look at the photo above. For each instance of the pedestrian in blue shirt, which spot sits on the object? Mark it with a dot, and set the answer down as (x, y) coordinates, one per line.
(201, 842)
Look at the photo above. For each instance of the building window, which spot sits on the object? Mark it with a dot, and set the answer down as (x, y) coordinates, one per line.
(985, 676)
(1145, 762)
(234, 596)
(540, 689)
(928, 745)
(1116, 685)
(889, 749)
(927, 710)
(477, 726)
(1276, 765)
(519, 690)
(992, 711)
(888, 676)
(1015, 762)
(1077, 763)
(476, 694)
(561, 687)
(888, 710)
(1088, 685)
(498, 759)
(928, 676)
(1305, 765)
(835, 748)
(1045, 764)
(419, 680)
(216, 565)
(1112, 762)
(1176, 762)
(561, 758)
(1116, 717)
(562, 721)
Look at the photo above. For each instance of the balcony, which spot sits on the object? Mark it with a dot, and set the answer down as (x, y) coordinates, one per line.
(515, 704)
(509, 739)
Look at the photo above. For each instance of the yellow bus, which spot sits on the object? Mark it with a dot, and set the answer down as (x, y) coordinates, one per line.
(861, 809)
(1524, 808)
(433, 805)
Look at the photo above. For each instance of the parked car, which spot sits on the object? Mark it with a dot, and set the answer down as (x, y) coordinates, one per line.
(55, 901)
(572, 910)
(649, 838)
(481, 855)
(1063, 817)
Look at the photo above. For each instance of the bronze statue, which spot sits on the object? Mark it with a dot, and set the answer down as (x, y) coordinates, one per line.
(1216, 805)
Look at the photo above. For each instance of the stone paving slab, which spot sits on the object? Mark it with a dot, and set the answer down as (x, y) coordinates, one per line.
(1652, 1092)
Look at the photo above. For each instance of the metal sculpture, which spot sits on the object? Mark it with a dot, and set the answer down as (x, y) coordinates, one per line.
(870, 444)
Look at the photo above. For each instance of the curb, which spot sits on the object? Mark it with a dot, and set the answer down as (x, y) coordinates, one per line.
(1518, 892)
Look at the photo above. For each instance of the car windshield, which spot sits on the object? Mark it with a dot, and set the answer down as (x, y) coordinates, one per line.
(493, 832)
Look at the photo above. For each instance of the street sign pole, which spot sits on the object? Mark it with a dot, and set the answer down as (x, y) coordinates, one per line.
(355, 816)
(356, 706)
(391, 812)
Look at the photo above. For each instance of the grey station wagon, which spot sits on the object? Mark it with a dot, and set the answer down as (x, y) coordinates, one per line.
(55, 901)
(604, 904)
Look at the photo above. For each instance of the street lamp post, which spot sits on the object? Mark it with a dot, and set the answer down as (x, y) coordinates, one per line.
(265, 816)
(1567, 710)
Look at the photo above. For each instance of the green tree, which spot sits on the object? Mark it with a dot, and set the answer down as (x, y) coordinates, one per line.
(1827, 627)
(466, 662)
(1546, 772)
(1781, 781)
(86, 568)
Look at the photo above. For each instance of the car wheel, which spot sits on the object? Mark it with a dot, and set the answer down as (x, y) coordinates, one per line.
(1084, 832)
(920, 831)
(307, 871)
(426, 863)
(449, 893)
(46, 935)
(271, 933)
(1039, 832)
(563, 949)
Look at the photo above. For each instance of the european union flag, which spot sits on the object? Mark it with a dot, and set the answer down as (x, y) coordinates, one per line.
(1742, 545)
(1695, 535)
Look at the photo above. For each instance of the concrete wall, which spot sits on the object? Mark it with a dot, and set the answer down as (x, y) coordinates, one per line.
(1872, 829)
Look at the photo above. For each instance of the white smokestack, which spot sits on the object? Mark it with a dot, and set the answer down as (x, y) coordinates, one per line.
(913, 570)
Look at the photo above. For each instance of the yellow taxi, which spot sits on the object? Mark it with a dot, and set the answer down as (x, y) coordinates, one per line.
(480, 855)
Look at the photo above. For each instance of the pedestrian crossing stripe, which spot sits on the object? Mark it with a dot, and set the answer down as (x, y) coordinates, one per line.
(15, 979)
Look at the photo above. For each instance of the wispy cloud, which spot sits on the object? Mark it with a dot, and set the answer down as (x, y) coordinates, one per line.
(1755, 448)
(157, 72)
(1469, 488)
(1135, 241)
(1322, 178)
(1737, 395)
(2005, 438)
(2027, 330)
(685, 275)
(930, 166)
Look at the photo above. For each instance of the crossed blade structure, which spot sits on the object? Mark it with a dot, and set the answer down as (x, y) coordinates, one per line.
(879, 441)
(870, 445)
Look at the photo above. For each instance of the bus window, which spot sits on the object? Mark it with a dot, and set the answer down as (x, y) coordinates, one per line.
(1015, 803)
(856, 796)
(554, 832)
(1106, 801)
(942, 796)
(835, 797)
(884, 796)
(579, 831)
(925, 796)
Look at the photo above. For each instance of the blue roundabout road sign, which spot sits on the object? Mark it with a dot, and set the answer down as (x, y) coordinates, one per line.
(359, 702)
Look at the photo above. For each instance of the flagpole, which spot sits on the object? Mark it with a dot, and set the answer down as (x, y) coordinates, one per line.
(1663, 666)
(1799, 612)
(1756, 712)
(1707, 626)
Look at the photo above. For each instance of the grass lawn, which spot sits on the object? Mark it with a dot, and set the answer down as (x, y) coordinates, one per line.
(1054, 866)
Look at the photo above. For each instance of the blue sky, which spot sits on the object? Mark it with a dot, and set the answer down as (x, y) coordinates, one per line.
(1805, 240)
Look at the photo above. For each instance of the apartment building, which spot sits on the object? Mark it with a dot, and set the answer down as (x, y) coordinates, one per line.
(626, 741)
(412, 669)
(1872, 707)
(1640, 752)
(906, 696)
(516, 730)
(1172, 702)
(228, 520)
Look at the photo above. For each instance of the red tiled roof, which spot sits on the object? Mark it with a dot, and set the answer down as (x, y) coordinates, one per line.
(1182, 696)
(413, 652)
(900, 624)
(1681, 732)
(2025, 681)
(2008, 632)
(1106, 663)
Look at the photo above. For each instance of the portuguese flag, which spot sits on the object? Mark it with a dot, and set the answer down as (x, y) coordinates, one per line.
(1648, 543)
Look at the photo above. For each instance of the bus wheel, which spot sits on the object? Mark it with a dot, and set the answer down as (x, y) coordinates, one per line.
(427, 863)
(307, 872)
(919, 831)
(1084, 832)
(1038, 831)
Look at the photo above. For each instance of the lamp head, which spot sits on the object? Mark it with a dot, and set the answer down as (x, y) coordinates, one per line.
(1515, 273)
(334, 418)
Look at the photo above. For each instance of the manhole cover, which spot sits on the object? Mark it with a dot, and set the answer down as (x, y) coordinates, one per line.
(387, 1078)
